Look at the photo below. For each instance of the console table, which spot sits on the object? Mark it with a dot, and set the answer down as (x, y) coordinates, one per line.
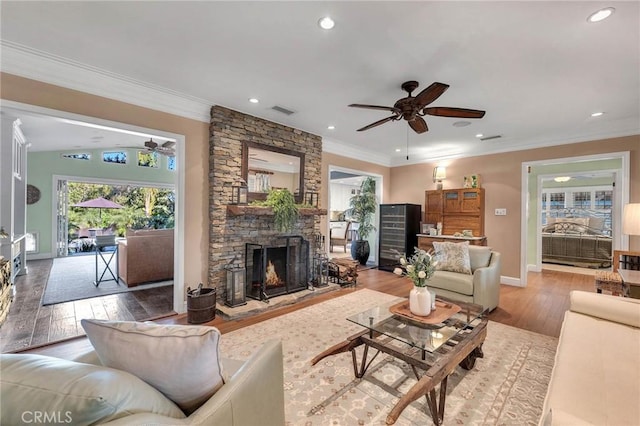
(425, 242)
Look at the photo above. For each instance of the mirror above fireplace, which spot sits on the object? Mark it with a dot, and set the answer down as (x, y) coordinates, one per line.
(266, 167)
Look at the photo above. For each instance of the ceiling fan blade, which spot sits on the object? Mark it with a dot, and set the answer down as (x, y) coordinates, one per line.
(419, 125)
(379, 122)
(386, 108)
(454, 112)
(430, 94)
(169, 144)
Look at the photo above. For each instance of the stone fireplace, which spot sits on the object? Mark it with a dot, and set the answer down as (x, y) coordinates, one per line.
(232, 228)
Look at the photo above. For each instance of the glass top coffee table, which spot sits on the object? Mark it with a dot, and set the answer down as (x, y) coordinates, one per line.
(452, 335)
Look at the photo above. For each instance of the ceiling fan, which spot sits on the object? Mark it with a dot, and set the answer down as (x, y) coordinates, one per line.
(167, 148)
(412, 108)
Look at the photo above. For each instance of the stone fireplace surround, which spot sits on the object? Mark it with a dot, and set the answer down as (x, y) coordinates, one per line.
(228, 232)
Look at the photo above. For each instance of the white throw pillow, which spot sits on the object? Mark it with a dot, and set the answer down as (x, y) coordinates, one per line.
(453, 257)
(68, 392)
(181, 361)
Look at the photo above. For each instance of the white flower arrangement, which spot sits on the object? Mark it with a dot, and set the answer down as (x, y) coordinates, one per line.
(419, 267)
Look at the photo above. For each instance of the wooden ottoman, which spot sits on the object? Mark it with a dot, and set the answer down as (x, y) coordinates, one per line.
(611, 282)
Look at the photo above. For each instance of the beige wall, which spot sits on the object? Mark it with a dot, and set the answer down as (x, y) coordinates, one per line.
(500, 175)
(196, 134)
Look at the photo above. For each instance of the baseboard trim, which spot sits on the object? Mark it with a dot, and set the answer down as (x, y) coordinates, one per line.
(516, 282)
(534, 268)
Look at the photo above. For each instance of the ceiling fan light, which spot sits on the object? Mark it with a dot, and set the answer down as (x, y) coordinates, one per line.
(562, 179)
(601, 14)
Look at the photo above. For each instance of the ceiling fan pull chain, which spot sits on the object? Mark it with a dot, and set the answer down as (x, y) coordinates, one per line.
(407, 143)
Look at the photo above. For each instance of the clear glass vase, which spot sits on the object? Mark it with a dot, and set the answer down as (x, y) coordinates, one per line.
(420, 301)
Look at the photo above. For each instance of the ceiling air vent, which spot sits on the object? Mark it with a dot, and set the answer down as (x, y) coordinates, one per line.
(282, 110)
(488, 138)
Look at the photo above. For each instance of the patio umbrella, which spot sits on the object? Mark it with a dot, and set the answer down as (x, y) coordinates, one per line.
(99, 203)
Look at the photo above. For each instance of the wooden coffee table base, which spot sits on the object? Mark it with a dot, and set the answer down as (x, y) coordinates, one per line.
(463, 352)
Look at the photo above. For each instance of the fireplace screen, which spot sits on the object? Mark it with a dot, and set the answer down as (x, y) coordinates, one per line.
(278, 269)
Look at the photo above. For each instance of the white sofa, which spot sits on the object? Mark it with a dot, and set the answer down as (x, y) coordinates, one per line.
(482, 286)
(596, 374)
(79, 390)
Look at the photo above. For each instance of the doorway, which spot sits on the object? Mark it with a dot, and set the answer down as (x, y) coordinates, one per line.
(604, 189)
(20, 109)
(343, 184)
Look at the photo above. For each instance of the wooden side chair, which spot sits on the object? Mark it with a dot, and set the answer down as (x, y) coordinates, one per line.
(340, 236)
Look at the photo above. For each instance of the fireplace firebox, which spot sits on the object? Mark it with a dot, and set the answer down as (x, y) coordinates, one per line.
(278, 269)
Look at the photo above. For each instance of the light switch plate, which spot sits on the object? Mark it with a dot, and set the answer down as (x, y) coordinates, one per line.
(501, 212)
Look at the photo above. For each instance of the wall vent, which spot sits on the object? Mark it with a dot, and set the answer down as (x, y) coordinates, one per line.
(282, 110)
(488, 138)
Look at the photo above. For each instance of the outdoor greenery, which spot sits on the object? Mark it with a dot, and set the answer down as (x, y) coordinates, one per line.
(143, 207)
(363, 207)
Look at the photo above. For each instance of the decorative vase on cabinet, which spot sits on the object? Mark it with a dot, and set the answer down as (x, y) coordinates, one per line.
(420, 301)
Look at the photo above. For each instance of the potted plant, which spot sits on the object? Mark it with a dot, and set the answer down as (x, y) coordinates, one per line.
(284, 208)
(362, 208)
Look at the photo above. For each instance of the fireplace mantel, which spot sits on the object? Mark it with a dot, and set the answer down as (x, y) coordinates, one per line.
(237, 210)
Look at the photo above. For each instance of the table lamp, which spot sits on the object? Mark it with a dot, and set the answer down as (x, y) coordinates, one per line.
(631, 219)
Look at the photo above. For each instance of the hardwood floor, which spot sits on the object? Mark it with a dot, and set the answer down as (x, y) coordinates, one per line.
(30, 324)
(539, 307)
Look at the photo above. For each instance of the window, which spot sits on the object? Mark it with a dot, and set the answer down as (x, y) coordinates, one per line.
(79, 156)
(115, 157)
(147, 159)
(581, 200)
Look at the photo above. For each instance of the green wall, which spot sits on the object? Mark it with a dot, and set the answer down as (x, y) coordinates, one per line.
(559, 169)
(42, 166)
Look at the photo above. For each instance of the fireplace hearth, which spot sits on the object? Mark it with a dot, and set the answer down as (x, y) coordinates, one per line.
(276, 269)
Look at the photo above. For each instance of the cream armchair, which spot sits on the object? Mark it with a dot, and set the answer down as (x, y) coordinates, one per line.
(481, 287)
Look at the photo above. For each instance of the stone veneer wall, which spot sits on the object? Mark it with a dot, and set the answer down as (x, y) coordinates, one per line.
(228, 234)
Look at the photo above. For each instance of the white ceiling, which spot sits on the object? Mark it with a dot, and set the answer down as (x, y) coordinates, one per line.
(537, 67)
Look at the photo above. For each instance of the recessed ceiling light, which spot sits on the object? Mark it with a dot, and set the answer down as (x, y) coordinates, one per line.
(479, 135)
(331, 127)
(253, 100)
(597, 114)
(397, 149)
(461, 123)
(601, 14)
(326, 23)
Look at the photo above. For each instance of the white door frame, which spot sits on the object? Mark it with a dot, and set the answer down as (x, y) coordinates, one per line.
(179, 304)
(620, 199)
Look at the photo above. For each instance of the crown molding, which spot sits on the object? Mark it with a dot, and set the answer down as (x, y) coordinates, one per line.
(38, 65)
(339, 148)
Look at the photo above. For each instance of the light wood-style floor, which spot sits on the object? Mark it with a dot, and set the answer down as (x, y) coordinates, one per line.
(539, 307)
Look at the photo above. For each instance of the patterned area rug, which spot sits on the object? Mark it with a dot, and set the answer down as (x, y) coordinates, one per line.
(506, 387)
